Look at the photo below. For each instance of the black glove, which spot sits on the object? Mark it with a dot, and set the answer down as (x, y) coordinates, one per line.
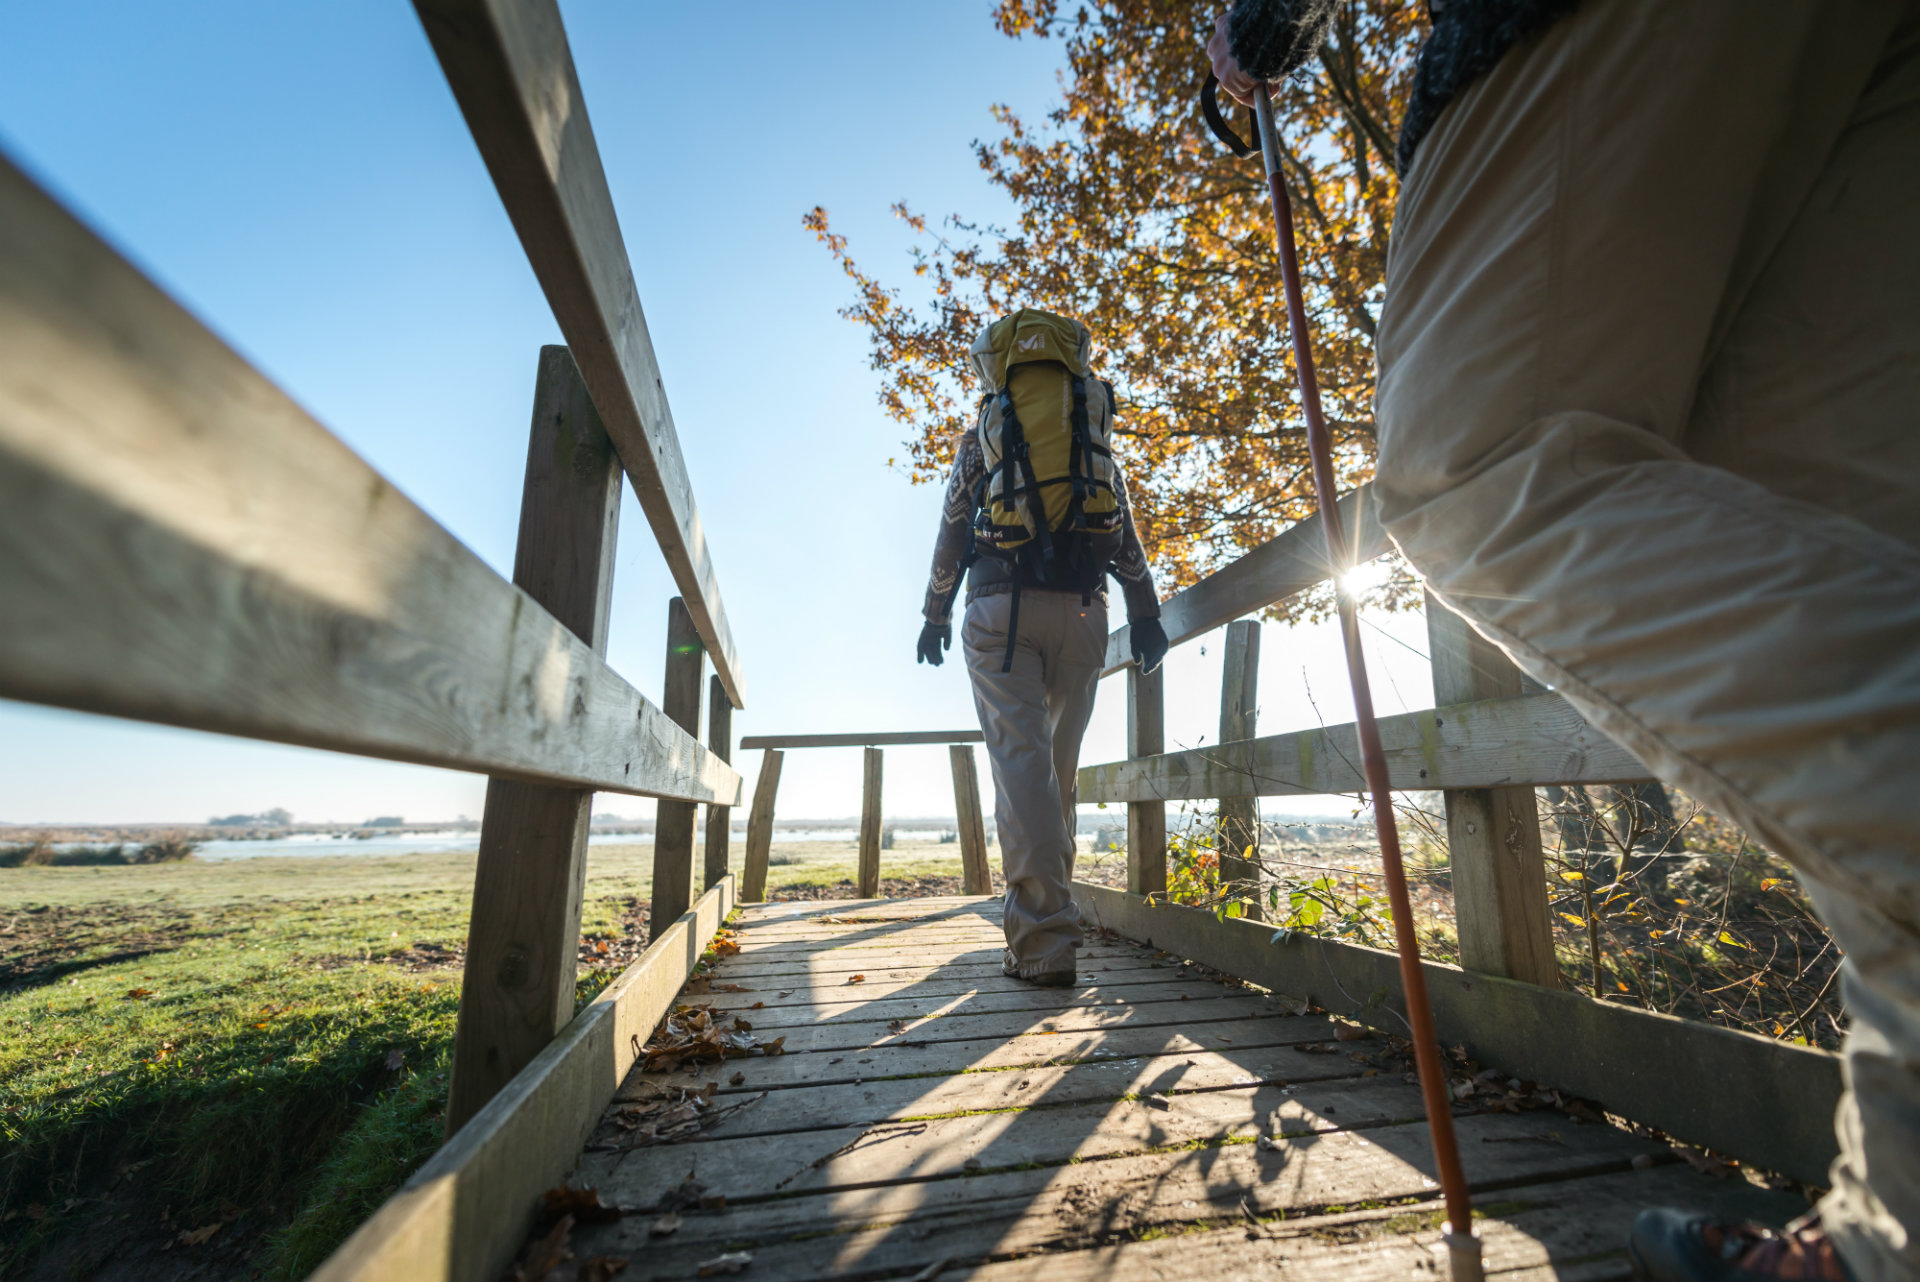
(1149, 643)
(935, 637)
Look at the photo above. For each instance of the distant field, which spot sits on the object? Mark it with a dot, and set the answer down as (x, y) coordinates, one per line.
(229, 1064)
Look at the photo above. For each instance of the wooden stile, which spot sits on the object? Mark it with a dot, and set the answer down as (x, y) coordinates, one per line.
(183, 544)
(1493, 834)
(512, 73)
(674, 821)
(522, 936)
(720, 743)
(753, 881)
(870, 823)
(1238, 823)
(976, 877)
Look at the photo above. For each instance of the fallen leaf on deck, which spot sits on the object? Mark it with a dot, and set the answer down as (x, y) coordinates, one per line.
(1345, 1031)
(858, 979)
(600, 1268)
(736, 1079)
(1705, 1163)
(1315, 1048)
(897, 1026)
(665, 1225)
(583, 1206)
(729, 1262)
(547, 1253)
(197, 1236)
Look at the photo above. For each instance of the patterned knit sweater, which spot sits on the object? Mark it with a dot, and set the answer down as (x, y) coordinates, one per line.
(1272, 39)
(956, 519)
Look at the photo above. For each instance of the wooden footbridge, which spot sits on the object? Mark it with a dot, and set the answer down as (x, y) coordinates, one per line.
(183, 544)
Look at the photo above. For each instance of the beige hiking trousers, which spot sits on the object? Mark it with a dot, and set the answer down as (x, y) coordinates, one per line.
(1034, 718)
(1649, 416)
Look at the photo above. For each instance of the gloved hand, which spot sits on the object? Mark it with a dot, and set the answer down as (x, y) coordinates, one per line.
(935, 637)
(1149, 643)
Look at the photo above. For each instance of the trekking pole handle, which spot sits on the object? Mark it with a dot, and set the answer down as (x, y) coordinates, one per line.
(1210, 108)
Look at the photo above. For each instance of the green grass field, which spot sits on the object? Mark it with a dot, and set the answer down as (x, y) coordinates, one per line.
(229, 1065)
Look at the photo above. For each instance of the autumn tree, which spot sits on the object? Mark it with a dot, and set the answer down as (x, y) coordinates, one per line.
(1133, 218)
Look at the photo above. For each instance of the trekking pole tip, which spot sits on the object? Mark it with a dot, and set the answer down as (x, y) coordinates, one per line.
(1463, 1254)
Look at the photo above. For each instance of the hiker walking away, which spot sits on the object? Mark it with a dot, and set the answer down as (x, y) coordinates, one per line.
(1036, 517)
(1647, 409)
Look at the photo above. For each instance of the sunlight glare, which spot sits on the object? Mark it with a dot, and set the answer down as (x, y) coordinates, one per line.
(1363, 578)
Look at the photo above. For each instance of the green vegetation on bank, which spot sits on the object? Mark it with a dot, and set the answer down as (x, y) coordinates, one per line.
(238, 1061)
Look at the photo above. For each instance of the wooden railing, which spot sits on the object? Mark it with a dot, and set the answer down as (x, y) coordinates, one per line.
(183, 544)
(975, 878)
(1493, 738)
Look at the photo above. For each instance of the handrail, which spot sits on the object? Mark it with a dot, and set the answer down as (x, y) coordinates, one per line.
(1531, 739)
(185, 545)
(1284, 566)
(512, 73)
(878, 739)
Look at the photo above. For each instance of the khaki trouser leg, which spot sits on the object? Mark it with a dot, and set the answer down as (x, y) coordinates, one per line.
(1033, 718)
(1649, 416)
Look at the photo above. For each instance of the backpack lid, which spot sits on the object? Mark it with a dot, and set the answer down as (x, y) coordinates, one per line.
(1030, 335)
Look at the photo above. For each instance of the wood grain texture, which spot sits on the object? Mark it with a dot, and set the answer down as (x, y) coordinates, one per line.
(524, 929)
(512, 73)
(674, 821)
(1237, 822)
(872, 760)
(464, 1213)
(1146, 820)
(719, 818)
(1528, 740)
(185, 545)
(1493, 834)
(753, 887)
(976, 877)
(877, 739)
(1764, 1101)
(1284, 566)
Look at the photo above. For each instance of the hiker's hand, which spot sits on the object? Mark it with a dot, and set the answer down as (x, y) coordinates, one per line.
(1226, 67)
(1149, 643)
(934, 638)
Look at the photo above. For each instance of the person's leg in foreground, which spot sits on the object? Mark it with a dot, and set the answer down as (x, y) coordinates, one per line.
(1649, 417)
(1034, 717)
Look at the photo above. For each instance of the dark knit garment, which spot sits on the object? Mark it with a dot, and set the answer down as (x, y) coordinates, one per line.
(1272, 39)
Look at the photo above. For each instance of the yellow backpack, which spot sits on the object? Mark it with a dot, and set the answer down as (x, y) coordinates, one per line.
(1045, 427)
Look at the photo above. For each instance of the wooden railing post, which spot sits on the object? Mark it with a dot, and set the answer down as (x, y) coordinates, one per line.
(753, 882)
(975, 876)
(719, 818)
(1239, 817)
(870, 825)
(673, 822)
(1146, 820)
(523, 933)
(1493, 834)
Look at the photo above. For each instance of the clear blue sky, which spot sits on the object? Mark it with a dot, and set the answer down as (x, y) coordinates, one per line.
(298, 175)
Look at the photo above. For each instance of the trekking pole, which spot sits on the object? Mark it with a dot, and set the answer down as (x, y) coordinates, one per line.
(1463, 1244)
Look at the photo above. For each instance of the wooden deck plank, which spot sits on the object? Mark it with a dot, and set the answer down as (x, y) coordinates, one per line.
(964, 1001)
(830, 968)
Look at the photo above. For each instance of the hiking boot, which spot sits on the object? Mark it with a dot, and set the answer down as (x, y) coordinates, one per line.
(1667, 1245)
(1045, 979)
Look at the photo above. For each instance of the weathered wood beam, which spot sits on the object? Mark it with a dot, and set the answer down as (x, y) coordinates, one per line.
(1238, 820)
(1284, 566)
(466, 1212)
(523, 933)
(1493, 834)
(976, 878)
(870, 775)
(720, 743)
(1766, 1102)
(674, 821)
(1529, 740)
(1146, 820)
(183, 544)
(512, 73)
(753, 880)
(878, 739)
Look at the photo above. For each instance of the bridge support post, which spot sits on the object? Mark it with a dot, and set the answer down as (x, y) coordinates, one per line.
(753, 882)
(870, 825)
(673, 822)
(1493, 834)
(976, 878)
(1239, 817)
(719, 818)
(1146, 820)
(523, 932)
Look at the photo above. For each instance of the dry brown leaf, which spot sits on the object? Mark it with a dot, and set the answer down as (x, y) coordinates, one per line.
(858, 979)
(1347, 1031)
(599, 1268)
(197, 1236)
(548, 1253)
(583, 1206)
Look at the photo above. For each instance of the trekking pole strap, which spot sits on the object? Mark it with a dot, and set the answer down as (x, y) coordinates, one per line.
(1013, 628)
